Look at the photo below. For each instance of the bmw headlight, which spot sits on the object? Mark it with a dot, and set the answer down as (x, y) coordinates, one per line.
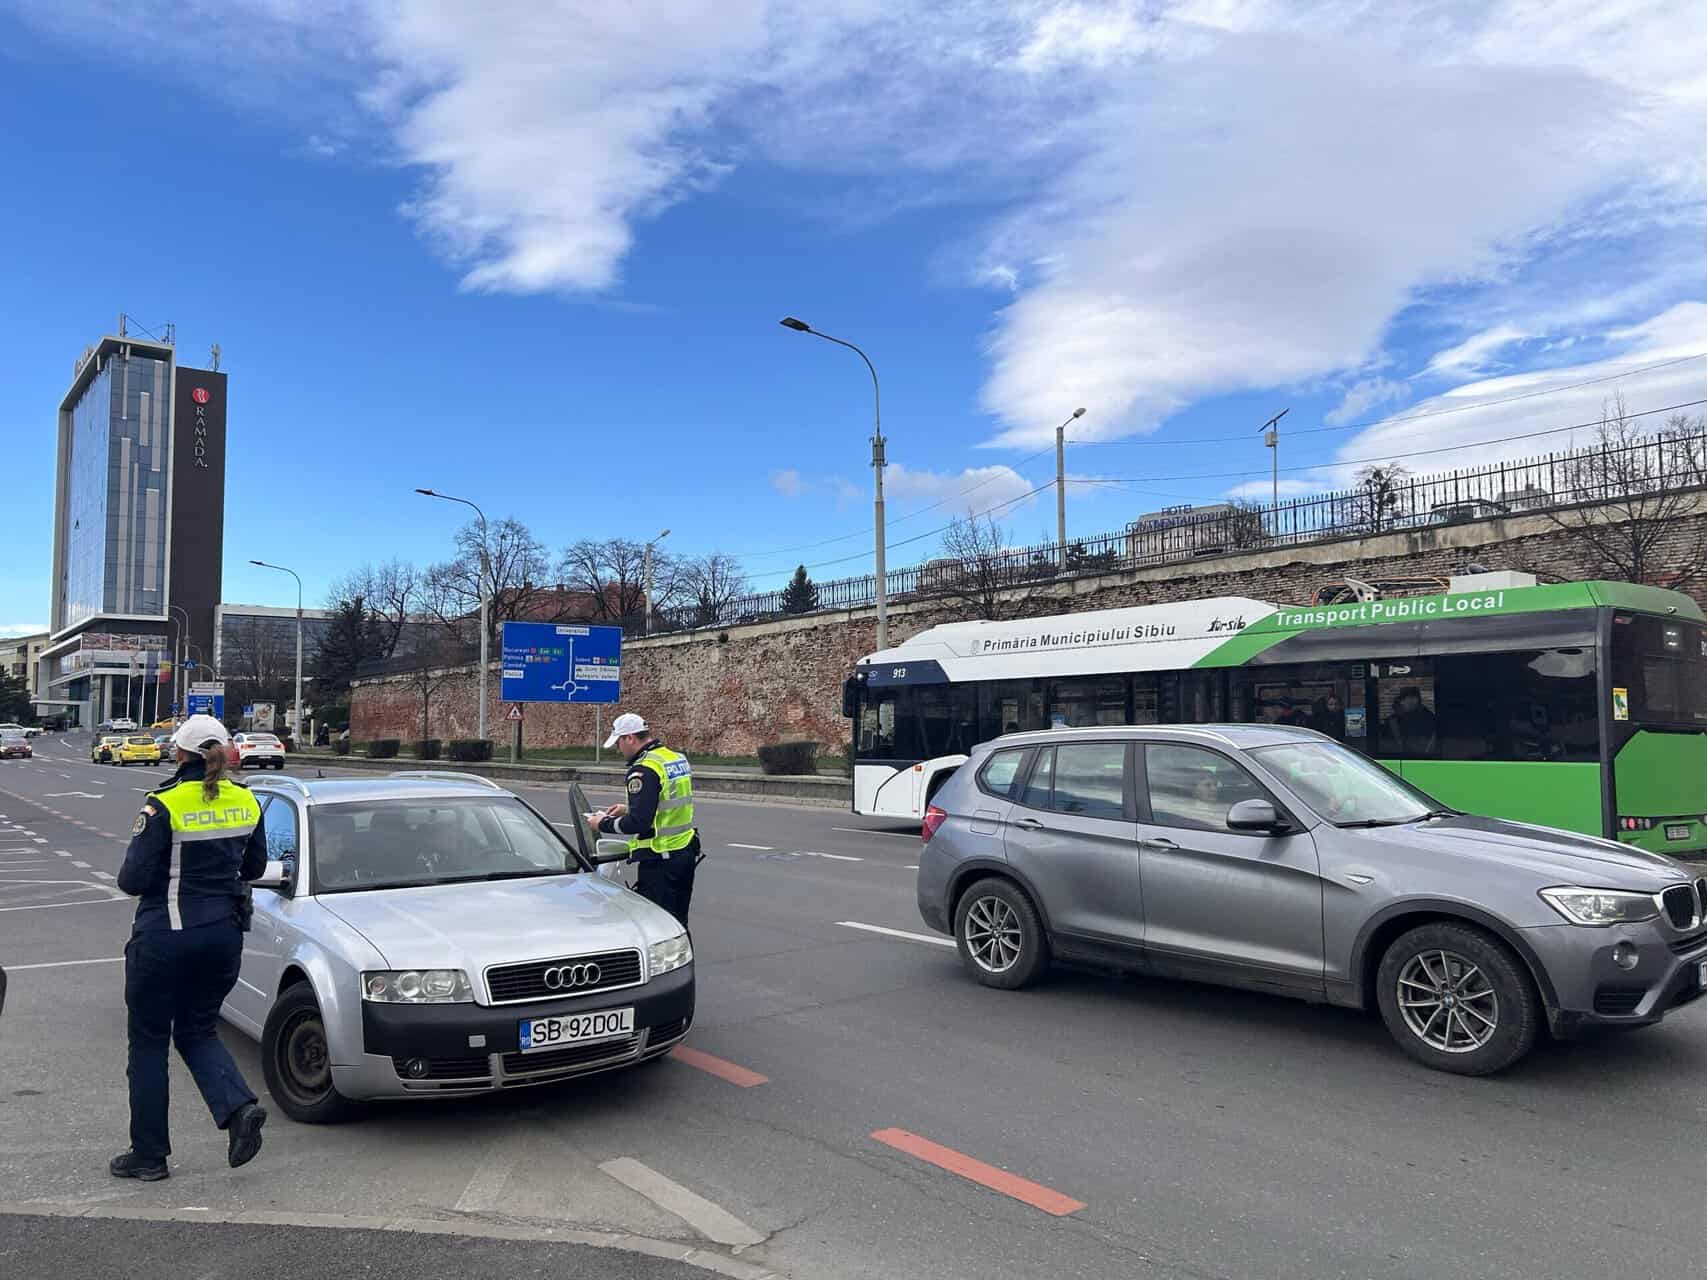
(417, 986)
(1601, 907)
(671, 953)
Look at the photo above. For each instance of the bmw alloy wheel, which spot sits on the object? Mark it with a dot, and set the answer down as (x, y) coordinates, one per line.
(1448, 1002)
(993, 935)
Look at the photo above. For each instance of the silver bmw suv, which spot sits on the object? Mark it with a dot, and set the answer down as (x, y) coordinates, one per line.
(1279, 860)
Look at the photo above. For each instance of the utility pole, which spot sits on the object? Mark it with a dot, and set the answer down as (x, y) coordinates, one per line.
(1061, 488)
(647, 584)
(485, 586)
(297, 727)
(1271, 439)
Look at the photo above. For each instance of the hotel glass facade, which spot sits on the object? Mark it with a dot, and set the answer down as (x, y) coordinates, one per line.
(115, 524)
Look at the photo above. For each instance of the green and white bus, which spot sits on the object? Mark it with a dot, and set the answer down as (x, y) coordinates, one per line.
(1580, 705)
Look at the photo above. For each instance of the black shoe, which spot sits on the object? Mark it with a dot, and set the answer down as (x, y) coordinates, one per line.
(244, 1129)
(142, 1168)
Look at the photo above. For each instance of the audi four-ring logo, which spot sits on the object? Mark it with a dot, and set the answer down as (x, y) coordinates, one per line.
(563, 977)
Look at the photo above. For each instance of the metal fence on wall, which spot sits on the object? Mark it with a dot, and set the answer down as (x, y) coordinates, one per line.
(1521, 486)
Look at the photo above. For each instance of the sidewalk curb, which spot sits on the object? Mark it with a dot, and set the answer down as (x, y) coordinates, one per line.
(692, 1255)
(817, 790)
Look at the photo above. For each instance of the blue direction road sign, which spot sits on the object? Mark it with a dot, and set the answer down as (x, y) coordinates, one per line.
(207, 699)
(561, 662)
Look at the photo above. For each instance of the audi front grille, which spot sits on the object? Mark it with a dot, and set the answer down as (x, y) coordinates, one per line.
(562, 976)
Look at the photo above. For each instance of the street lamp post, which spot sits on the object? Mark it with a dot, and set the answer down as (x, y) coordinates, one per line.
(1061, 486)
(485, 575)
(877, 461)
(646, 577)
(298, 717)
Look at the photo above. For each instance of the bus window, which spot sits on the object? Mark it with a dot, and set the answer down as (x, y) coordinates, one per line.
(1188, 697)
(1009, 706)
(1660, 664)
(877, 724)
(1327, 697)
(1076, 704)
(1146, 700)
(1404, 707)
(1535, 705)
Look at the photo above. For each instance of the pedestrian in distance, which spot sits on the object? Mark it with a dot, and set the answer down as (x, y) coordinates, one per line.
(197, 842)
(657, 817)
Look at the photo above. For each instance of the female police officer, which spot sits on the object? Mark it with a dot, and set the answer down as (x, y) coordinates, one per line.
(197, 839)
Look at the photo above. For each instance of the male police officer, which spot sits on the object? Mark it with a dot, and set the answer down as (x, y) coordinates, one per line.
(658, 818)
(195, 843)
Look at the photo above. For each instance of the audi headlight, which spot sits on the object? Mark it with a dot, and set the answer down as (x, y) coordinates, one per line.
(1601, 907)
(671, 953)
(417, 986)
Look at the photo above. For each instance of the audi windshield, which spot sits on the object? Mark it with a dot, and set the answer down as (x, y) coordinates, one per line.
(397, 844)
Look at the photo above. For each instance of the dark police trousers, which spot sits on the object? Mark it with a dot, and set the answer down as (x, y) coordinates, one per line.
(669, 881)
(174, 983)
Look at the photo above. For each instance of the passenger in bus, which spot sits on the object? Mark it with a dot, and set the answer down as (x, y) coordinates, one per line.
(1411, 729)
(1329, 717)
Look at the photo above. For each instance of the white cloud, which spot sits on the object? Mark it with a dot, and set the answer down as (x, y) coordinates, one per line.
(789, 483)
(1472, 354)
(1361, 397)
(1263, 490)
(954, 493)
(11, 630)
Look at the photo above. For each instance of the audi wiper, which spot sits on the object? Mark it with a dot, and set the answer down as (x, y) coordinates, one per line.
(518, 875)
(1438, 813)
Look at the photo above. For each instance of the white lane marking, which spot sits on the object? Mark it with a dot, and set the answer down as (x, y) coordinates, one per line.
(834, 857)
(66, 776)
(64, 853)
(76, 863)
(863, 831)
(39, 839)
(712, 1221)
(87, 902)
(897, 933)
(762, 848)
(66, 964)
(911, 866)
(486, 1187)
(102, 875)
(60, 795)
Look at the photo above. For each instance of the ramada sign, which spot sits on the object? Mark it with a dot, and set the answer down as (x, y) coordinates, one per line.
(201, 397)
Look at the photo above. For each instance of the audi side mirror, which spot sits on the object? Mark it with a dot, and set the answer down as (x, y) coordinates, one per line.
(610, 850)
(274, 877)
(1255, 815)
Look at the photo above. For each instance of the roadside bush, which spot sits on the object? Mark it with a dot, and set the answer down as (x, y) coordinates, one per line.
(470, 749)
(340, 746)
(789, 757)
(383, 749)
(427, 748)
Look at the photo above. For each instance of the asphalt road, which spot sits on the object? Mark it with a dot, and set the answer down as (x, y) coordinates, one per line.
(1129, 1127)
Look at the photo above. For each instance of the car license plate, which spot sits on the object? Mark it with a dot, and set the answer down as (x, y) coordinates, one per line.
(577, 1028)
(1701, 975)
(1677, 831)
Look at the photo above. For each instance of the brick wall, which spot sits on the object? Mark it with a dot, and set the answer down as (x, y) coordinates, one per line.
(726, 692)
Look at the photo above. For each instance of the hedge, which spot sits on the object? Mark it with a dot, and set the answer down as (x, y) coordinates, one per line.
(789, 758)
(471, 749)
(383, 749)
(340, 746)
(426, 748)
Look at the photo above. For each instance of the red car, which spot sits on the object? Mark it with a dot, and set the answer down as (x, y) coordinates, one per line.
(15, 745)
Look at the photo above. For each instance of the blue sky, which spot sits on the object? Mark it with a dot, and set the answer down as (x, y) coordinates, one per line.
(517, 253)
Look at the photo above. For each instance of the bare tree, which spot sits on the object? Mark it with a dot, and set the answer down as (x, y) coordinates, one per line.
(1637, 493)
(1246, 527)
(610, 577)
(1380, 499)
(431, 661)
(392, 592)
(709, 585)
(979, 568)
(518, 566)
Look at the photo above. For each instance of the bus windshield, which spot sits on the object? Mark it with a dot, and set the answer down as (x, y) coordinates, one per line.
(1659, 671)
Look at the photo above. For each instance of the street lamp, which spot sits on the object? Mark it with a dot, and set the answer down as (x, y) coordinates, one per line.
(877, 462)
(646, 576)
(485, 573)
(264, 565)
(1061, 486)
(178, 655)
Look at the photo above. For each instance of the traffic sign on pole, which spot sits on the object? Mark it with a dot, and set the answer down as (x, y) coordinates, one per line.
(561, 662)
(515, 712)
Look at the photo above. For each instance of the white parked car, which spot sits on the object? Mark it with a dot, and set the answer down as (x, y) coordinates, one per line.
(258, 751)
(431, 935)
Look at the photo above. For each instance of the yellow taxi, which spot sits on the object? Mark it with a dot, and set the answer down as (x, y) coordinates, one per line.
(138, 749)
(106, 749)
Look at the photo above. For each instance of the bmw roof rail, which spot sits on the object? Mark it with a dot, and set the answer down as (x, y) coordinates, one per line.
(298, 783)
(447, 774)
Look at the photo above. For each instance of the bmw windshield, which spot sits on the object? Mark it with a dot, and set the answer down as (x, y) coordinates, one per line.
(396, 844)
(1345, 787)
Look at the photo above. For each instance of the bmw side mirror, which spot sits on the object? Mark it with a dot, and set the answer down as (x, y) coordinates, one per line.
(1255, 815)
(606, 851)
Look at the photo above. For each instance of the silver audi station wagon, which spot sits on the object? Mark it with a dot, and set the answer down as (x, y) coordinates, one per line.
(424, 935)
(1277, 859)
